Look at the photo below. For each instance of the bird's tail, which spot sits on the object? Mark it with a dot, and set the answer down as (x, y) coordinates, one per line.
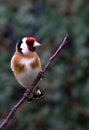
(37, 94)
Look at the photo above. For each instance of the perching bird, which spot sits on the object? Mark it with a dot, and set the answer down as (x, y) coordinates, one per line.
(26, 64)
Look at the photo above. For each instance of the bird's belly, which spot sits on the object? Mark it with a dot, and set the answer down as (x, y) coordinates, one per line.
(27, 77)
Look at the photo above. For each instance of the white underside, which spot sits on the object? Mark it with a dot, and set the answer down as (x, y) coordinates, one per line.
(27, 77)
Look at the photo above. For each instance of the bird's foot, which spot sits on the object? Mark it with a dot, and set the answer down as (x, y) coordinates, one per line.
(26, 94)
(29, 99)
(41, 74)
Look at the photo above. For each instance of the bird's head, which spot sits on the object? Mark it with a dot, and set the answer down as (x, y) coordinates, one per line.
(27, 45)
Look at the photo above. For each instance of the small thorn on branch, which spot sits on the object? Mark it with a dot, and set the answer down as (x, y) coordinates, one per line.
(29, 91)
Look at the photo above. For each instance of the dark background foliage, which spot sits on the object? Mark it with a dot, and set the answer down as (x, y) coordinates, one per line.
(65, 105)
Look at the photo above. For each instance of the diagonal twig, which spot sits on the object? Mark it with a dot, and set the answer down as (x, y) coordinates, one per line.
(28, 92)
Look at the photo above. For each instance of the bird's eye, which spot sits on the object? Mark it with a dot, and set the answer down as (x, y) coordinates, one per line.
(30, 43)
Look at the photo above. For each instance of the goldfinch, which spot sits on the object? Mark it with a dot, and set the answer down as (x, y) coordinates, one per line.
(26, 65)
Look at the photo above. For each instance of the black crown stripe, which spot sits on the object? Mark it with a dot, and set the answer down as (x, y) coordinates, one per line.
(19, 45)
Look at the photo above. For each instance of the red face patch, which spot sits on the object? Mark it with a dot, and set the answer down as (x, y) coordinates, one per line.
(30, 39)
(30, 48)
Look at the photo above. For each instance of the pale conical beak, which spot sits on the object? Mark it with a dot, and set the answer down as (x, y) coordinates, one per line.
(36, 44)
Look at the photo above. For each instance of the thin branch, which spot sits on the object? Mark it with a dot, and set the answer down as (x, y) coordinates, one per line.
(28, 92)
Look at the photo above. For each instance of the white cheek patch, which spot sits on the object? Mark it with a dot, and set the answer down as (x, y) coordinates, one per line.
(24, 46)
(24, 39)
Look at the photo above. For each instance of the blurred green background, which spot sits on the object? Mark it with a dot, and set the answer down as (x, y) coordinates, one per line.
(65, 105)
